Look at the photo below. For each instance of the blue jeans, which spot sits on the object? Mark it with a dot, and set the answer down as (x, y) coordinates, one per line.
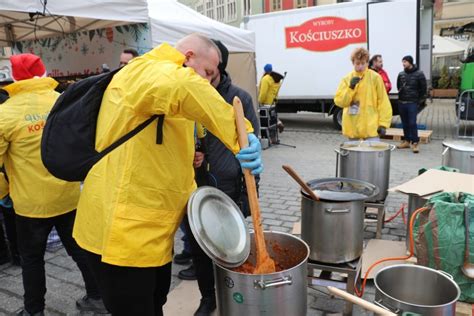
(408, 112)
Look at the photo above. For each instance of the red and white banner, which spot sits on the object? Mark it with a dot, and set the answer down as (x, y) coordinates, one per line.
(326, 34)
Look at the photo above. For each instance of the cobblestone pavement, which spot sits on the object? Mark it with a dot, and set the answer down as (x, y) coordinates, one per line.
(313, 157)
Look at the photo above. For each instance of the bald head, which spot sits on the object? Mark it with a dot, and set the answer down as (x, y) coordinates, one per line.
(201, 54)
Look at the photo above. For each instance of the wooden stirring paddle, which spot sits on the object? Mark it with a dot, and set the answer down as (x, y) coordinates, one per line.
(264, 263)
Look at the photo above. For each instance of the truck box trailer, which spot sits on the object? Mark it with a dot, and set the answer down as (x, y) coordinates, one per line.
(313, 46)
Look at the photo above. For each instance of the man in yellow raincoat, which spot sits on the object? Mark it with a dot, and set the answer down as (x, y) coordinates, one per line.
(367, 111)
(134, 198)
(41, 201)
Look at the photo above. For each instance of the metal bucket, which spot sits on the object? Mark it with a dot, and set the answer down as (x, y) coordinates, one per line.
(416, 289)
(366, 161)
(459, 154)
(281, 293)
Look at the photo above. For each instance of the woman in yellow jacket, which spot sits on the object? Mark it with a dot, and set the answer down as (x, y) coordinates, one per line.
(134, 198)
(41, 201)
(367, 111)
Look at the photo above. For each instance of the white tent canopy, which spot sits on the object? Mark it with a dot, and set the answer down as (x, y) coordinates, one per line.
(445, 46)
(170, 20)
(30, 19)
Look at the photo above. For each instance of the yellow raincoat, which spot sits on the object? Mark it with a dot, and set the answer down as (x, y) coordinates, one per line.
(133, 199)
(374, 105)
(268, 90)
(34, 191)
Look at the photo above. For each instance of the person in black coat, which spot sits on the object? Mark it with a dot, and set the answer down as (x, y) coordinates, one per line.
(222, 170)
(411, 84)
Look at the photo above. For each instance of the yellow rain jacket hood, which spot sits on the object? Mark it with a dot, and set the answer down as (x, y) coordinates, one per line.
(374, 105)
(133, 199)
(268, 90)
(34, 191)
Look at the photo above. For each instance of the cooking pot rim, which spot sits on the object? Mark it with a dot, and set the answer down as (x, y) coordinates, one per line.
(367, 184)
(304, 261)
(377, 287)
(353, 145)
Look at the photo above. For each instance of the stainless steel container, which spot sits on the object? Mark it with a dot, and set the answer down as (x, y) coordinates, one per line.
(281, 293)
(414, 202)
(416, 289)
(459, 154)
(366, 161)
(334, 228)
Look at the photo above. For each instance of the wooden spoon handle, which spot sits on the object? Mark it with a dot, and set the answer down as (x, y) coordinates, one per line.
(250, 182)
(359, 301)
(301, 182)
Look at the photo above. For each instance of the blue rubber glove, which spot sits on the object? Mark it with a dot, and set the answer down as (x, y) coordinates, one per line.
(6, 202)
(251, 157)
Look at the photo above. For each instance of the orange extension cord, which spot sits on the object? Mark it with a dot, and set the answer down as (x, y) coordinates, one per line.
(412, 221)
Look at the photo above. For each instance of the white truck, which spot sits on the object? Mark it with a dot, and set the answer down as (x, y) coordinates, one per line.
(313, 46)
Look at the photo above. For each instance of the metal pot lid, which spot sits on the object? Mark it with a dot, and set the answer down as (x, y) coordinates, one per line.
(219, 226)
(458, 144)
(342, 189)
(365, 146)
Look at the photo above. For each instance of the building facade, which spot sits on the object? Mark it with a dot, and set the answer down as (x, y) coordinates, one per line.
(226, 11)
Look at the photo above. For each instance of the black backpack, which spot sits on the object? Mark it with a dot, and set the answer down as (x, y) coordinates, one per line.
(68, 141)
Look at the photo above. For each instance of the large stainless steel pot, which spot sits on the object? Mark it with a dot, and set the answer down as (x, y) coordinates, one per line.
(281, 293)
(414, 202)
(459, 154)
(366, 161)
(334, 228)
(416, 289)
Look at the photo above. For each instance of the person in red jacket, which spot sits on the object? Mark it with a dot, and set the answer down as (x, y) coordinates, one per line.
(376, 64)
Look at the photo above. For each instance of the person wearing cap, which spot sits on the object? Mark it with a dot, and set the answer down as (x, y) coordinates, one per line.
(221, 170)
(268, 89)
(41, 201)
(411, 84)
(367, 111)
(134, 199)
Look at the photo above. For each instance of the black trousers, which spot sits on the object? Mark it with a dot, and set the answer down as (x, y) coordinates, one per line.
(10, 229)
(131, 291)
(32, 237)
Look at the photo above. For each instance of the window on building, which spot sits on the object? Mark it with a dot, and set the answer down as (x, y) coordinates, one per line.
(231, 10)
(301, 3)
(220, 10)
(200, 8)
(210, 8)
(247, 7)
(276, 5)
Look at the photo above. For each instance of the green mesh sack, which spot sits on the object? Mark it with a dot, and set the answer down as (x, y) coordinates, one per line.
(440, 237)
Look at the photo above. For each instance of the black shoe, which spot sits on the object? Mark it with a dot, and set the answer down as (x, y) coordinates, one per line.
(182, 258)
(207, 306)
(89, 304)
(188, 274)
(25, 313)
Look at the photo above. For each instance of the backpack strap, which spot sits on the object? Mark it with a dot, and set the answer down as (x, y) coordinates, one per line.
(159, 129)
(134, 132)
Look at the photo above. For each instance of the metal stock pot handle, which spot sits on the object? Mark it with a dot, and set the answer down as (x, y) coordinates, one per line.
(390, 309)
(445, 151)
(392, 147)
(272, 283)
(344, 210)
